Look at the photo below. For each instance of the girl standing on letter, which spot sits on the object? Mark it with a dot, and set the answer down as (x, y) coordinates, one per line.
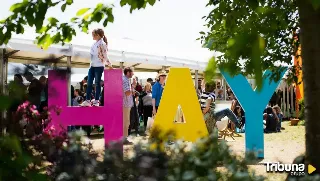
(99, 59)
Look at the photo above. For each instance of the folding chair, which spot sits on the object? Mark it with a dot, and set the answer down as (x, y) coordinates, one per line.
(223, 129)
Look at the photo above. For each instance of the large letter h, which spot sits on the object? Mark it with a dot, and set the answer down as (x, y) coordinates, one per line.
(109, 115)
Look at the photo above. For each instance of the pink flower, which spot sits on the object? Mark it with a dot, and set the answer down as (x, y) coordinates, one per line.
(35, 112)
(54, 129)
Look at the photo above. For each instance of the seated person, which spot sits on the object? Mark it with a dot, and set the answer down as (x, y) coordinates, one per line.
(279, 113)
(239, 113)
(207, 102)
(271, 120)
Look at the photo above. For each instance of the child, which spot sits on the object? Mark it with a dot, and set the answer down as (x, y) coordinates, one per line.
(77, 96)
(278, 112)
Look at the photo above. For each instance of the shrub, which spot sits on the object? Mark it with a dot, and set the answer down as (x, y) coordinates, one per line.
(36, 131)
(17, 164)
(207, 159)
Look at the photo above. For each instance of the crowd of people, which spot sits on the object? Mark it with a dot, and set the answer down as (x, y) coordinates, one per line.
(36, 92)
(139, 103)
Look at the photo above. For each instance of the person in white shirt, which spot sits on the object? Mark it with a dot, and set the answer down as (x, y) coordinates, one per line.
(99, 59)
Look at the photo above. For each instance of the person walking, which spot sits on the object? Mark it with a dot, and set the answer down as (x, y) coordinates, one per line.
(99, 59)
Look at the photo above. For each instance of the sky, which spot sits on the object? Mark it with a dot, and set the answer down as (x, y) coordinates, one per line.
(169, 28)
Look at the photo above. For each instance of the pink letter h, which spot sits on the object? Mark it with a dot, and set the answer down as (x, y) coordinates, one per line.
(109, 115)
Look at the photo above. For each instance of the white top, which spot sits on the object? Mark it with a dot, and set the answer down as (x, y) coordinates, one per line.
(98, 53)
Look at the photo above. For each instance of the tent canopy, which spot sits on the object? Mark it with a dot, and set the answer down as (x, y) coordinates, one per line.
(26, 52)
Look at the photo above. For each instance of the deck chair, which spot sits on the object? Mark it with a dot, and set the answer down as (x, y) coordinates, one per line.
(234, 130)
(223, 128)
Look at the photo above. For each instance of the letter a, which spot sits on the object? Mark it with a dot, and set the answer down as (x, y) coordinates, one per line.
(180, 90)
(253, 102)
(109, 115)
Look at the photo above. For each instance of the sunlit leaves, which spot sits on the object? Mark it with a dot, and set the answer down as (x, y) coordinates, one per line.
(257, 51)
(137, 4)
(33, 13)
(252, 36)
(18, 6)
(82, 11)
(210, 71)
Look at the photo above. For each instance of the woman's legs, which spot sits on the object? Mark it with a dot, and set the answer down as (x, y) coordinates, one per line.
(97, 76)
(91, 74)
(226, 112)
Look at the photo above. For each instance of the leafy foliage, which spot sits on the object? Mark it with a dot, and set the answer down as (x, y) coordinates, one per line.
(15, 163)
(208, 160)
(251, 36)
(51, 30)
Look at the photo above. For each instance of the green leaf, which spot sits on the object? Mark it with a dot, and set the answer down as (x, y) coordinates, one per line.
(123, 3)
(53, 21)
(30, 16)
(210, 71)
(74, 19)
(99, 7)
(56, 38)
(17, 7)
(43, 29)
(6, 102)
(231, 42)
(315, 4)
(69, 2)
(20, 29)
(85, 28)
(257, 50)
(105, 23)
(63, 7)
(97, 17)
(82, 11)
(152, 2)
(48, 42)
(40, 15)
(110, 18)
(12, 143)
(87, 16)
(43, 39)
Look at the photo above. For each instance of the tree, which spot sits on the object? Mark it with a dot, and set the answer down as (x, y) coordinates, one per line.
(252, 36)
(51, 30)
(255, 35)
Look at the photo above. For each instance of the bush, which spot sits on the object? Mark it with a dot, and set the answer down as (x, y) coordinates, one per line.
(208, 159)
(17, 164)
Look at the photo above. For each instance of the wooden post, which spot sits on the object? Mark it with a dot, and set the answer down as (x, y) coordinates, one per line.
(69, 79)
(3, 82)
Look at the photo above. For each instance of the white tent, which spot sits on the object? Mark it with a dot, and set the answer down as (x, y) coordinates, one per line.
(78, 56)
(25, 51)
